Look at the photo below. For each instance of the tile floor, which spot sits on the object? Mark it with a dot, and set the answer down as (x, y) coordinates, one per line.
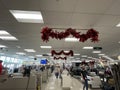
(55, 84)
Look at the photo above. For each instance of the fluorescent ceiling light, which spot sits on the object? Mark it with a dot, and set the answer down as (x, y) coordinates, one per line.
(31, 56)
(29, 50)
(118, 25)
(27, 16)
(39, 55)
(20, 53)
(49, 54)
(71, 39)
(51, 57)
(3, 32)
(46, 46)
(89, 57)
(8, 38)
(71, 57)
(66, 51)
(84, 56)
(1, 53)
(2, 46)
(87, 47)
(96, 51)
(76, 54)
(18, 46)
(101, 54)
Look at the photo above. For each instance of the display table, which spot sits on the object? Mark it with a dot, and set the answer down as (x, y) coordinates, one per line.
(66, 81)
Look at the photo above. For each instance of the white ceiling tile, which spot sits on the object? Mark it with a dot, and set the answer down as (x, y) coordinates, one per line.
(108, 21)
(84, 20)
(57, 18)
(46, 5)
(93, 6)
(115, 8)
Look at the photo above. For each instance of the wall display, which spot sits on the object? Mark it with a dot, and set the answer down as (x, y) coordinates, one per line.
(43, 61)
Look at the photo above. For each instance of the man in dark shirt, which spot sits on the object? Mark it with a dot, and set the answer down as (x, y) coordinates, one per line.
(84, 76)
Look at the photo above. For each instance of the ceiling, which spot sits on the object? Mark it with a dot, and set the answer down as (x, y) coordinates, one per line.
(102, 15)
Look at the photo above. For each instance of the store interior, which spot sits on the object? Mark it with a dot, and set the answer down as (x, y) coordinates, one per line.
(38, 36)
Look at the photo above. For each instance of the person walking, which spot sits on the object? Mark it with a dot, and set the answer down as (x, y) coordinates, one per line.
(57, 71)
(84, 76)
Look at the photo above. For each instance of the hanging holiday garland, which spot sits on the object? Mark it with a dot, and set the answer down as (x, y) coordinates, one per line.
(63, 58)
(53, 52)
(92, 62)
(49, 32)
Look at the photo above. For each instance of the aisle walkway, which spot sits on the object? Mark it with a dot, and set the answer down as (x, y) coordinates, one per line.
(55, 84)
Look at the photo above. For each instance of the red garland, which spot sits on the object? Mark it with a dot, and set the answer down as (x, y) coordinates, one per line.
(53, 52)
(48, 32)
(63, 58)
(92, 62)
(84, 63)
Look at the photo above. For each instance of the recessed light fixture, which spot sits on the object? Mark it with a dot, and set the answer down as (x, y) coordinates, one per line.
(96, 51)
(87, 47)
(39, 55)
(46, 46)
(49, 54)
(3, 32)
(51, 57)
(29, 50)
(27, 16)
(76, 54)
(20, 53)
(84, 56)
(11, 38)
(118, 25)
(71, 39)
(89, 57)
(2, 46)
(18, 46)
(66, 51)
(71, 57)
(77, 58)
(31, 56)
(101, 54)
(2, 53)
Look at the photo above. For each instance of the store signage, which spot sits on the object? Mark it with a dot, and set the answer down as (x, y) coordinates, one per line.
(97, 48)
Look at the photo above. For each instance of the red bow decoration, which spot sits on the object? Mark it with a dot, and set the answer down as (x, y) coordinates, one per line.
(63, 58)
(48, 32)
(92, 62)
(84, 63)
(53, 52)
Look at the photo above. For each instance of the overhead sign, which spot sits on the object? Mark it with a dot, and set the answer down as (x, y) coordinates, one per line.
(97, 48)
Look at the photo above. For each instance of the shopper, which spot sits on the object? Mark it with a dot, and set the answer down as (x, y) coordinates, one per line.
(57, 71)
(1, 67)
(84, 76)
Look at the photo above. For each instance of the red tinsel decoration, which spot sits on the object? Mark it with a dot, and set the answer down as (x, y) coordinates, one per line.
(63, 58)
(48, 32)
(84, 63)
(53, 52)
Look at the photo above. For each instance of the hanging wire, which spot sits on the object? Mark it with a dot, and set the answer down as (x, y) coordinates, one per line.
(67, 28)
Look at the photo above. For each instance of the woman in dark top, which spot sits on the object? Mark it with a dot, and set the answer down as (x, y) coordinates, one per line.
(84, 76)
